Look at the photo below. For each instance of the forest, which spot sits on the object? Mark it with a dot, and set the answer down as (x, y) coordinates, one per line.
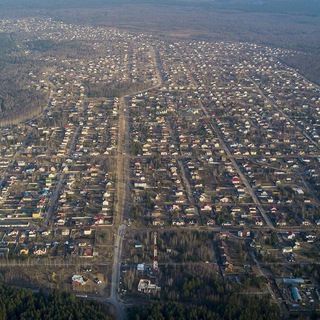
(114, 89)
(279, 6)
(22, 304)
(196, 291)
(227, 307)
(18, 100)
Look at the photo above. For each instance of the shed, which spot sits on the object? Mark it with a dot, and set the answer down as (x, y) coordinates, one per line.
(293, 281)
(295, 294)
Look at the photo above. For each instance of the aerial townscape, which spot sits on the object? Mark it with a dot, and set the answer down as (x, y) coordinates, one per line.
(158, 176)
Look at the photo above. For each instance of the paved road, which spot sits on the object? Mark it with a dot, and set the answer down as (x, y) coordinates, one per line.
(123, 191)
(114, 297)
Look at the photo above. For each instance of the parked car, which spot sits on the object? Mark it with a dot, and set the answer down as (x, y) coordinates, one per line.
(97, 280)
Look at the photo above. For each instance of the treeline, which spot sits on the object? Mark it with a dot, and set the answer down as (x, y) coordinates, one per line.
(228, 307)
(308, 64)
(20, 105)
(42, 45)
(270, 6)
(20, 304)
(69, 49)
(115, 89)
(7, 44)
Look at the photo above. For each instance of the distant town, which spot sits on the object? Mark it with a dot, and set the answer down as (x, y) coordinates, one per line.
(152, 155)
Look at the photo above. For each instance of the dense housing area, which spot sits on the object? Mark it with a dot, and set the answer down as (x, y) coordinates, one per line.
(161, 167)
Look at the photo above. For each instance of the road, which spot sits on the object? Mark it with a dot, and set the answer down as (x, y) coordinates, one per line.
(262, 274)
(234, 162)
(114, 297)
(230, 229)
(185, 180)
(239, 172)
(16, 155)
(122, 196)
(56, 193)
(279, 109)
(27, 135)
(187, 185)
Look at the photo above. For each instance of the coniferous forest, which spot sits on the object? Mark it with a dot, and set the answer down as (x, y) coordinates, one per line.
(227, 307)
(21, 304)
